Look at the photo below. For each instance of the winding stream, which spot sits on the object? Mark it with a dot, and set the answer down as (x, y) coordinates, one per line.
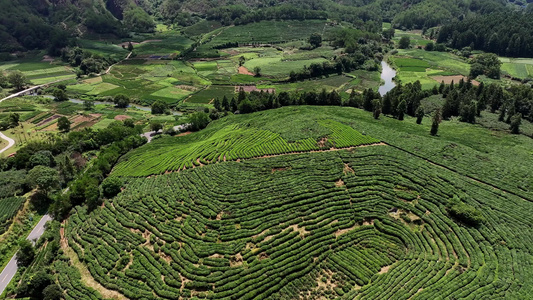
(387, 74)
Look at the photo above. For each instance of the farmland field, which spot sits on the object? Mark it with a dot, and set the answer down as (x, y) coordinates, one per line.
(38, 72)
(207, 95)
(416, 64)
(8, 209)
(271, 205)
(270, 32)
(517, 67)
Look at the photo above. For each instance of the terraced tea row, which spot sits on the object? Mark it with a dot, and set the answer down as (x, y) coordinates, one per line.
(230, 143)
(370, 223)
(8, 208)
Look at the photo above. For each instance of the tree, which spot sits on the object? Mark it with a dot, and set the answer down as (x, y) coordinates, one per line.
(217, 104)
(242, 60)
(91, 65)
(130, 46)
(199, 120)
(388, 34)
(52, 292)
(14, 119)
(430, 46)
(159, 107)
(26, 253)
(65, 167)
(43, 178)
(225, 103)
(488, 63)
(368, 96)
(88, 105)
(111, 186)
(92, 195)
(63, 124)
(402, 106)
(476, 69)
(4, 82)
(34, 288)
(436, 121)
(60, 95)
(387, 104)
(156, 126)
(419, 115)
(129, 123)
(315, 40)
(376, 108)
(257, 71)
(246, 106)
(121, 101)
(516, 121)
(404, 42)
(17, 80)
(42, 158)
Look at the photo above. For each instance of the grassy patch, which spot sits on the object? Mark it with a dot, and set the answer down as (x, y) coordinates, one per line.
(410, 64)
(207, 95)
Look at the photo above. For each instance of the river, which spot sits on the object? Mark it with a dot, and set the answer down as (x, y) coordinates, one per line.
(387, 74)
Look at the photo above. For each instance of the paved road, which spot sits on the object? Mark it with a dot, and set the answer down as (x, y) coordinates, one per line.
(11, 269)
(150, 134)
(32, 88)
(10, 142)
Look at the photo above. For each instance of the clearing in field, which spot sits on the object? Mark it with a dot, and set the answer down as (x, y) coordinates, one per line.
(244, 71)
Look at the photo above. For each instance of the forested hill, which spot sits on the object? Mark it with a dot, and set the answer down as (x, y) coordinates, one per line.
(507, 34)
(42, 24)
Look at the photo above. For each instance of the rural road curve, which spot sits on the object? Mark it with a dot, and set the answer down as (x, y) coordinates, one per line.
(11, 269)
(31, 89)
(150, 134)
(10, 142)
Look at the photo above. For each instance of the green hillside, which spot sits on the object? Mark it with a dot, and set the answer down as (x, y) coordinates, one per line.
(407, 218)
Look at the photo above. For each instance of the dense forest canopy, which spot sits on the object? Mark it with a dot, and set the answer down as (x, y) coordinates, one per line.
(28, 25)
(507, 34)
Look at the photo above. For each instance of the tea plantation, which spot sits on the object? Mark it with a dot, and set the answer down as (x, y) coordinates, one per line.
(323, 204)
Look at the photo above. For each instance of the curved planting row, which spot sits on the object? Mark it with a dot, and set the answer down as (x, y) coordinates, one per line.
(231, 143)
(371, 223)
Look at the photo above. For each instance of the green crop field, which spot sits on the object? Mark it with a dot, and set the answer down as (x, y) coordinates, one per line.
(8, 208)
(207, 95)
(38, 72)
(278, 67)
(415, 37)
(517, 67)
(106, 48)
(270, 32)
(163, 44)
(270, 206)
(145, 81)
(239, 142)
(411, 64)
(416, 64)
